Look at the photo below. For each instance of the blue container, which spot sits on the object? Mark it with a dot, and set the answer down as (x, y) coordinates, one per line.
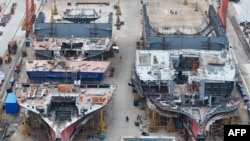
(11, 106)
(27, 43)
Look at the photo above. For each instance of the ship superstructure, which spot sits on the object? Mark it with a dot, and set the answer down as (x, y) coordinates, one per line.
(204, 74)
(81, 15)
(192, 84)
(62, 107)
(66, 71)
(185, 74)
(82, 48)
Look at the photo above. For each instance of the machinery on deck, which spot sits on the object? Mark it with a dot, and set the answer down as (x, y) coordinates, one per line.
(12, 47)
(7, 58)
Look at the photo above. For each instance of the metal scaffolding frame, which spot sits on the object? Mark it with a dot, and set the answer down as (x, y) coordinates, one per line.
(25, 127)
(153, 124)
(101, 128)
(170, 125)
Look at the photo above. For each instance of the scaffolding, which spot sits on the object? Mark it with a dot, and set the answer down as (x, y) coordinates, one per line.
(233, 120)
(224, 121)
(1, 115)
(30, 12)
(92, 124)
(153, 125)
(170, 125)
(34, 121)
(101, 128)
(25, 127)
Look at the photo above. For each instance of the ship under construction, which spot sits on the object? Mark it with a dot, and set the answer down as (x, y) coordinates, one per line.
(186, 76)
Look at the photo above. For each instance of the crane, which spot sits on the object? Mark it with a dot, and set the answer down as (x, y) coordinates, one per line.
(52, 20)
(30, 16)
(55, 11)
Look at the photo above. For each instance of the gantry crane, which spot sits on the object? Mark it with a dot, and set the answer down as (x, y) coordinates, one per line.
(30, 17)
(52, 20)
(55, 11)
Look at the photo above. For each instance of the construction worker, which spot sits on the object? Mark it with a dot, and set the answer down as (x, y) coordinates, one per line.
(127, 119)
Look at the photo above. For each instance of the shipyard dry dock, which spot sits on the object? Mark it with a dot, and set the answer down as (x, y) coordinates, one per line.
(170, 72)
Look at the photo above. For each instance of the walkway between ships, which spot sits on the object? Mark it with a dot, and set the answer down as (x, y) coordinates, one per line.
(122, 105)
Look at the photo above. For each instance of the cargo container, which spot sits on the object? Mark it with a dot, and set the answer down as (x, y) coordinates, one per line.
(66, 71)
(10, 104)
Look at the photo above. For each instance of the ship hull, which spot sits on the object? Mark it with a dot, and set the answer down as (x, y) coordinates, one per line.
(94, 53)
(66, 133)
(196, 127)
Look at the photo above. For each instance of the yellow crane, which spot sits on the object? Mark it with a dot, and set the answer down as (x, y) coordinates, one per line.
(52, 20)
(55, 11)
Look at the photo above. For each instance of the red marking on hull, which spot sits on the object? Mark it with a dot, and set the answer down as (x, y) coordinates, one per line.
(52, 134)
(222, 13)
(67, 132)
(195, 128)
